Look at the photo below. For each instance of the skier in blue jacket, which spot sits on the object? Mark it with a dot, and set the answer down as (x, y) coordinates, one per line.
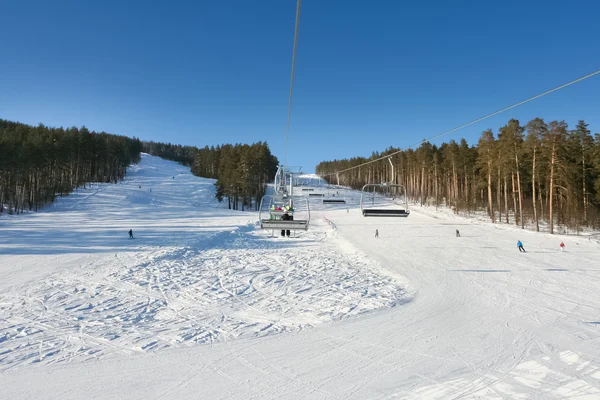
(520, 246)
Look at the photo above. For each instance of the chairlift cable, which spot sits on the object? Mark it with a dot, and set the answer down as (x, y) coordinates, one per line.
(287, 129)
(471, 123)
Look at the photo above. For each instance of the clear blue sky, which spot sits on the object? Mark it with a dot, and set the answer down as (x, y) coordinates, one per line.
(369, 74)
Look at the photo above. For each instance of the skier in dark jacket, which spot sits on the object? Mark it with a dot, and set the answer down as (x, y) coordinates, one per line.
(130, 234)
(520, 246)
(285, 217)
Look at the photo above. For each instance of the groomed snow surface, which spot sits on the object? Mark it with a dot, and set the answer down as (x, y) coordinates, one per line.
(203, 304)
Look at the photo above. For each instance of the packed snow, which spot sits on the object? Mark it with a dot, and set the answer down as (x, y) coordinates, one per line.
(204, 304)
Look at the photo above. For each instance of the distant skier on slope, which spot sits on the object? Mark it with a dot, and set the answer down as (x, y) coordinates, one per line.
(457, 233)
(520, 246)
(376, 233)
(130, 234)
(562, 246)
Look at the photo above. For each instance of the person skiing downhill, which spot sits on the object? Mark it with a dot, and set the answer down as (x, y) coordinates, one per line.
(520, 246)
(562, 246)
(457, 233)
(376, 233)
(130, 234)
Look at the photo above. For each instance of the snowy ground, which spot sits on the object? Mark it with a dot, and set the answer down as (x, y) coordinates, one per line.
(203, 305)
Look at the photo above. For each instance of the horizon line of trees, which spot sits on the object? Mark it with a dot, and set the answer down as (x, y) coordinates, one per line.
(39, 163)
(241, 170)
(538, 173)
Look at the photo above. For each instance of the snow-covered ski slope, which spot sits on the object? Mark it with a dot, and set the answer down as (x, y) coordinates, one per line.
(202, 304)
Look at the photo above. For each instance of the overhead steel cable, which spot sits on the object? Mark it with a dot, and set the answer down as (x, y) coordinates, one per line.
(287, 129)
(469, 123)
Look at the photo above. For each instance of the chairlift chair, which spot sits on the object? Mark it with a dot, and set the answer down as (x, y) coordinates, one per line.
(334, 198)
(300, 211)
(384, 200)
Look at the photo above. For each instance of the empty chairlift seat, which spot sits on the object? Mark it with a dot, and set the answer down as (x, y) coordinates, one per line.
(334, 196)
(384, 200)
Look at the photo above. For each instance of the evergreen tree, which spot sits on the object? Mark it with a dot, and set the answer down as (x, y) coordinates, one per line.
(486, 157)
(536, 130)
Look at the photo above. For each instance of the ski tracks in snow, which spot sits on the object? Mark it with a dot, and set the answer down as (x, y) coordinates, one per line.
(242, 284)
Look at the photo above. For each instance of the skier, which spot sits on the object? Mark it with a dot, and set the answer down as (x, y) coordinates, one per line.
(130, 234)
(347, 211)
(520, 246)
(562, 246)
(457, 233)
(376, 233)
(285, 217)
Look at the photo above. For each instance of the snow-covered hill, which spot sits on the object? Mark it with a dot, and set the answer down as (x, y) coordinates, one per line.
(202, 304)
(75, 287)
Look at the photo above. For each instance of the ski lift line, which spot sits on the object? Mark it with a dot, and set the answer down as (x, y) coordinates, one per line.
(471, 123)
(287, 129)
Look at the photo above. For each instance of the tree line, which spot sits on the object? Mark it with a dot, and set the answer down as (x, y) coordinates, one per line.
(540, 173)
(175, 152)
(241, 170)
(37, 163)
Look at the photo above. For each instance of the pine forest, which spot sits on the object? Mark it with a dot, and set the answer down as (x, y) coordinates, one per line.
(540, 175)
(39, 163)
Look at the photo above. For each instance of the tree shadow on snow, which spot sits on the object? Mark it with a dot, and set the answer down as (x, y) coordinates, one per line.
(96, 240)
(74, 235)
